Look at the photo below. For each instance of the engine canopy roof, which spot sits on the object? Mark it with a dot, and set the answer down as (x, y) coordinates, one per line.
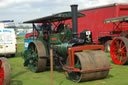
(54, 18)
(117, 19)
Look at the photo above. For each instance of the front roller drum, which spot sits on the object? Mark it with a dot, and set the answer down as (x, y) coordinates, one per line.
(90, 60)
(118, 50)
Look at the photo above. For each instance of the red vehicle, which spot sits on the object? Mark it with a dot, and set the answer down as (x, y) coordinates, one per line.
(93, 21)
(119, 45)
(30, 35)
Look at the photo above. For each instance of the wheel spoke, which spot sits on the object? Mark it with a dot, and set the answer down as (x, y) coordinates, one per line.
(34, 49)
(123, 52)
(120, 59)
(123, 47)
(114, 49)
(117, 54)
(124, 57)
(35, 62)
(33, 54)
(121, 42)
(117, 44)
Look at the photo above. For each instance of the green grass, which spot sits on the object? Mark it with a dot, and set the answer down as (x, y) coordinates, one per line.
(20, 38)
(22, 76)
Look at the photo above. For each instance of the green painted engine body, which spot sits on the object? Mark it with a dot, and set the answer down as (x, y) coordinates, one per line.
(59, 41)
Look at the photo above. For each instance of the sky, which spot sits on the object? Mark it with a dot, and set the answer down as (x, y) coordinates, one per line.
(23, 10)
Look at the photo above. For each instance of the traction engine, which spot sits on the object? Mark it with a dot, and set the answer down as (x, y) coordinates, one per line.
(72, 51)
(119, 45)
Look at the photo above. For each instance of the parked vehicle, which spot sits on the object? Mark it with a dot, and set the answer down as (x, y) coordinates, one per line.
(5, 71)
(27, 41)
(29, 37)
(119, 46)
(67, 48)
(8, 45)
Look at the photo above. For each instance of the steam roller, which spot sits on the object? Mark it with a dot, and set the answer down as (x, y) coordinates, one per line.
(75, 54)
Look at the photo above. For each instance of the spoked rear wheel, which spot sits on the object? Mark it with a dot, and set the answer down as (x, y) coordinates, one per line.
(35, 52)
(5, 72)
(89, 60)
(118, 50)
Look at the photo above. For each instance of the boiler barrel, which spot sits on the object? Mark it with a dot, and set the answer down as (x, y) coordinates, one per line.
(62, 49)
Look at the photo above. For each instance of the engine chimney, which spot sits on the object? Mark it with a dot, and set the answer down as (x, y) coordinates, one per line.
(74, 20)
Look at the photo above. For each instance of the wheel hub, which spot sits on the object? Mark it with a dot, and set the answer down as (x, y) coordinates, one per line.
(119, 51)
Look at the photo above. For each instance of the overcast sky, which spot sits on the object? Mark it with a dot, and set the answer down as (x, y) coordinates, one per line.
(22, 10)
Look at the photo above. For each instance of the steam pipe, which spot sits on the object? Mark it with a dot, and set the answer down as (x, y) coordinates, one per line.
(74, 20)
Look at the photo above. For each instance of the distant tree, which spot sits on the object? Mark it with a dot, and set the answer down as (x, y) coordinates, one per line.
(23, 27)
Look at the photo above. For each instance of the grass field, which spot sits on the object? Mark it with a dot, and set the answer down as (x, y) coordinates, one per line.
(20, 38)
(22, 76)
